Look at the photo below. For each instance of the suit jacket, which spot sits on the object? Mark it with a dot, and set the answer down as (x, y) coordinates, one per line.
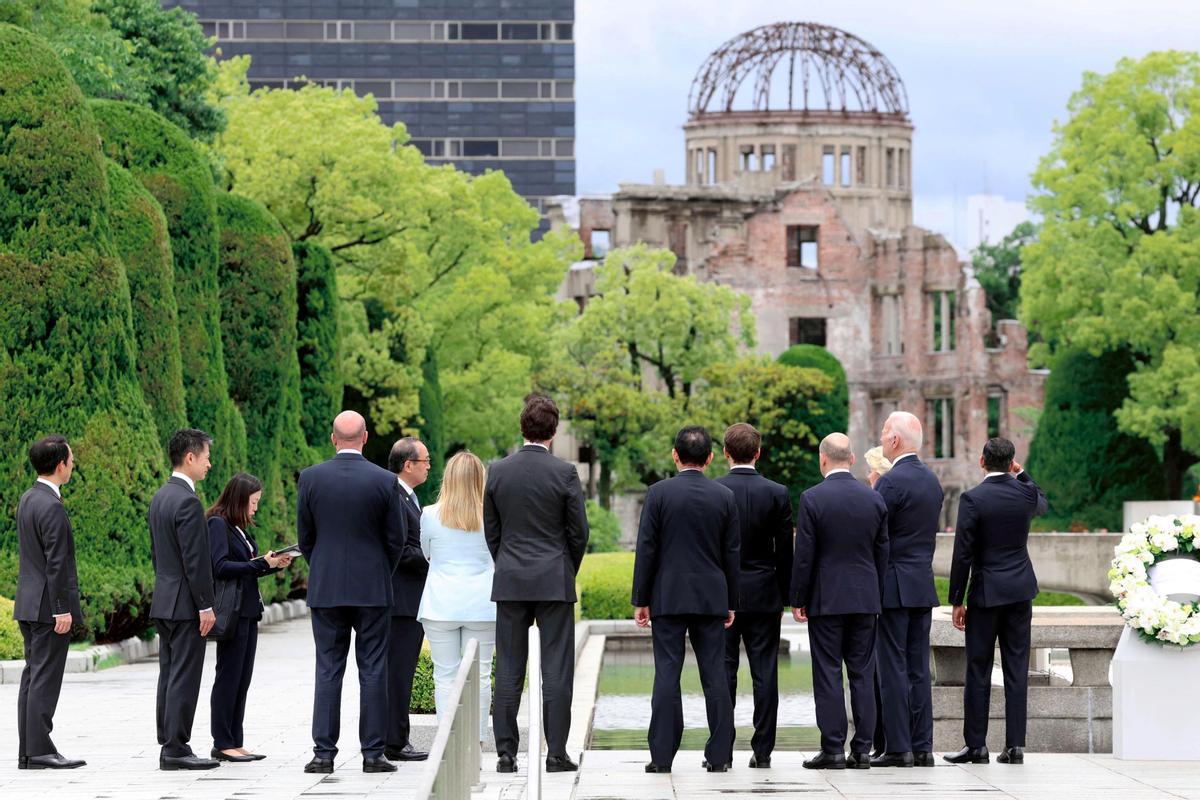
(914, 504)
(765, 532)
(687, 559)
(408, 579)
(351, 530)
(841, 548)
(183, 582)
(535, 526)
(47, 583)
(231, 560)
(990, 542)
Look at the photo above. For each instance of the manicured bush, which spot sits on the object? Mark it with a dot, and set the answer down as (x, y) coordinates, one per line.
(139, 232)
(12, 646)
(433, 427)
(68, 363)
(800, 469)
(606, 585)
(162, 157)
(604, 532)
(1084, 464)
(317, 341)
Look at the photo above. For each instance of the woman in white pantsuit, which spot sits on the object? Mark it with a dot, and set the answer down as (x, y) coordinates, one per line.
(455, 606)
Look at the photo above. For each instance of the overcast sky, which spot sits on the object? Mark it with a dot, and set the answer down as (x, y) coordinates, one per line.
(985, 80)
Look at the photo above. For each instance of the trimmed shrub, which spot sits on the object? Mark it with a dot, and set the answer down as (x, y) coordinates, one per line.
(66, 338)
(829, 415)
(161, 156)
(605, 586)
(12, 646)
(433, 428)
(317, 340)
(139, 232)
(604, 532)
(258, 325)
(1084, 464)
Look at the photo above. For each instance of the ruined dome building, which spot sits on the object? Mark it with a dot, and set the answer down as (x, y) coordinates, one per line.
(798, 193)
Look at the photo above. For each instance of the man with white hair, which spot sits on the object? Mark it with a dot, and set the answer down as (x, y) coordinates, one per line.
(914, 502)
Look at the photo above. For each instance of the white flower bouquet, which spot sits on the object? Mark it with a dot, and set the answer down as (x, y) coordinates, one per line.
(1155, 618)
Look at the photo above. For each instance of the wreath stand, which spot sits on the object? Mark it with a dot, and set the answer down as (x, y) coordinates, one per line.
(1156, 705)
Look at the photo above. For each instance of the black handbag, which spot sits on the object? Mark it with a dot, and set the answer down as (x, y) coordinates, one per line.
(227, 604)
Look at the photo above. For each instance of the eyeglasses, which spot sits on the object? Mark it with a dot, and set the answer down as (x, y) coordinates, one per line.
(421, 460)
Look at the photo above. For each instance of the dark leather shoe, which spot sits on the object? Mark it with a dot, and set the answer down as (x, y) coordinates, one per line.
(506, 763)
(239, 759)
(969, 755)
(52, 761)
(923, 758)
(877, 752)
(760, 762)
(406, 753)
(318, 764)
(256, 756)
(823, 760)
(179, 762)
(1012, 755)
(22, 762)
(657, 768)
(858, 761)
(378, 764)
(560, 764)
(715, 767)
(893, 760)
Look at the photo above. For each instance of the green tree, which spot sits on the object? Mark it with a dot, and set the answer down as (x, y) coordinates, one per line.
(317, 340)
(998, 270)
(1117, 262)
(161, 156)
(139, 232)
(67, 345)
(1083, 462)
(131, 50)
(432, 430)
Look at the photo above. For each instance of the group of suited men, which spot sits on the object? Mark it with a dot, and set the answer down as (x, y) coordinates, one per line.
(716, 560)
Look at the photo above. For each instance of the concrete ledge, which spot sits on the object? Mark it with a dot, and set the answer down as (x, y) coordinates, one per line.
(135, 649)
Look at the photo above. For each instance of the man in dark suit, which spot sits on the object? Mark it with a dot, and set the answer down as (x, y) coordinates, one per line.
(537, 532)
(914, 502)
(685, 581)
(183, 596)
(47, 602)
(765, 532)
(351, 530)
(837, 586)
(991, 549)
(409, 460)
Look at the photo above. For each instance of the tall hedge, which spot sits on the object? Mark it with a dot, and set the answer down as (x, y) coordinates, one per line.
(830, 415)
(317, 340)
(162, 157)
(432, 430)
(67, 361)
(258, 324)
(1086, 466)
(140, 234)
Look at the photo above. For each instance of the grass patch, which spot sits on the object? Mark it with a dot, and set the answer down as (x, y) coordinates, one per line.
(1043, 598)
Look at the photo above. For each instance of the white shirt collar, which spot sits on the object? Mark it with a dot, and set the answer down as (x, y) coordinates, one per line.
(994, 474)
(903, 456)
(749, 467)
(404, 485)
(349, 450)
(836, 471)
(191, 483)
(536, 444)
(52, 485)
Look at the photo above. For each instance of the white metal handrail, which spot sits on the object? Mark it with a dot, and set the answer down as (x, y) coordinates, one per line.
(454, 760)
(533, 786)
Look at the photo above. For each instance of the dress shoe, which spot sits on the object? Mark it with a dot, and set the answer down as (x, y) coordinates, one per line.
(318, 764)
(716, 767)
(1012, 755)
(506, 763)
(760, 762)
(180, 762)
(256, 756)
(657, 768)
(893, 760)
(923, 758)
(858, 761)
(378, 764)
(406, 753)
(969, 755)
(22, 762)
(52, 761)
(823, 760)
(560, 764)
(237, 759)
(877, 752)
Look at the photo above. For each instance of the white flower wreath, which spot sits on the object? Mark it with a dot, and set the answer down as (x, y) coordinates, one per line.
(1155, 618)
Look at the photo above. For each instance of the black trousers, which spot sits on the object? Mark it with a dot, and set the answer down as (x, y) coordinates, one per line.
(41, 683)
(760, 633)
(331, 633)
(180, 665)
(1010, 624)
(556, 626)
(834, 639)
(707, 634)
(235, 668)
(404, 649)
(902, 660)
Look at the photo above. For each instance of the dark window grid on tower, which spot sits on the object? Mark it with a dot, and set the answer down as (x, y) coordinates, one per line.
(435, 90)
(395, 31)
(496, 148)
